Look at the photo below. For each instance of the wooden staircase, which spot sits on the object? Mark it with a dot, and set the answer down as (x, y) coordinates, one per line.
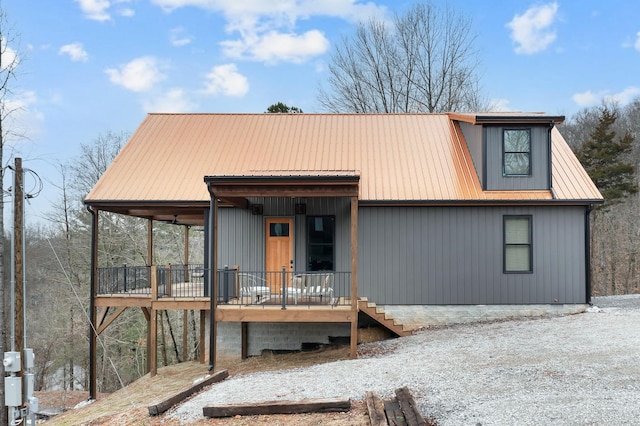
(383, 318)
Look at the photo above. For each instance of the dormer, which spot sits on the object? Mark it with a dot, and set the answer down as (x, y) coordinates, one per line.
(510, 151)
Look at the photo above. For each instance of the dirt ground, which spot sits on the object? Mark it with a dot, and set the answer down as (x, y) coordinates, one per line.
(128, 406)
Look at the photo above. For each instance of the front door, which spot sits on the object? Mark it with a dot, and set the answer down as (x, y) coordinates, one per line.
(279, 249)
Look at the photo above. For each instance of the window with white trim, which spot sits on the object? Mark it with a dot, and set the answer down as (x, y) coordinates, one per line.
(516, 152)
(518, 253)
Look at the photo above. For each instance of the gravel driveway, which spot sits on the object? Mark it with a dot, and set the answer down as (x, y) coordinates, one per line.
(575, 370)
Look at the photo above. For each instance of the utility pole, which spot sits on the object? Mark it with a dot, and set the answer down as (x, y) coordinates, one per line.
(19, 385)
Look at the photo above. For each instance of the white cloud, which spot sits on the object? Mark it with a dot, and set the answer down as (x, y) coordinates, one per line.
(589, 98)
(227, 80)
(274, 47)
(25, 121)
(127, 12)
(96, 10)
(75, 51)
(175, 100)
(636, 45)
(624, 97)
(10, 59)
(532, 31)
(178, 38)
(500, 105)
(139, 75)
(586, 98)
(260, 23)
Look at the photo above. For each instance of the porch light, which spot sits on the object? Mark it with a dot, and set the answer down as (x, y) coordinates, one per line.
(300, 208)
(257, 209)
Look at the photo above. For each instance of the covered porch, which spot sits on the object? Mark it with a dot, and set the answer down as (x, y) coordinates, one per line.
(239, 280)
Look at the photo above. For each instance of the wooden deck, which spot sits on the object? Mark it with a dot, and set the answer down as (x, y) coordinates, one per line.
(236, 309)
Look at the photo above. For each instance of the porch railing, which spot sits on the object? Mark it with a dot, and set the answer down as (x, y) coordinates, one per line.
(172, 280)
(235, 287)
(284, 288)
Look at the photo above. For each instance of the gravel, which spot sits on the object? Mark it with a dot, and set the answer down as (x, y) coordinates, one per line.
(573, 370)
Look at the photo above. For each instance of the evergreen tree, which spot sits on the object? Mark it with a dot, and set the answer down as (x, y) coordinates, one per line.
(283, 109)
(604, 158)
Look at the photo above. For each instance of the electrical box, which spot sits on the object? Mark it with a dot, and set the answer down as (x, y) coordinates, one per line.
(33, 404)
(29, 385)
(11, 362)
(29, 358)
(13, 391)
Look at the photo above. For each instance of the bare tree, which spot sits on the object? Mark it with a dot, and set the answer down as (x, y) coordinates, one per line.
(8, 65)
(424, 61)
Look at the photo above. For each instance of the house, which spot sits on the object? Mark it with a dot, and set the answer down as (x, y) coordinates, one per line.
(320, 210)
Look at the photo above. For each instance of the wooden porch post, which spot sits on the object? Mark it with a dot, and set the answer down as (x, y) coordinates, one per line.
(152, 325)
(151, 273)
(186, 254)
(213, 281)
(354, 276)
(150, 242)
(93, 337)
(152, 345)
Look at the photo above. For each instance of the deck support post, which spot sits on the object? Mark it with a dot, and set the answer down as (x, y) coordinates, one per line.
(152, 345)
(185, 334)
(245, 340)
(93, 336)
(354, 277)
(203, 317)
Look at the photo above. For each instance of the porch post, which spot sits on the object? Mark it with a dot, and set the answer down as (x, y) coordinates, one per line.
(186, 254)
(213, 277)
(354, 276)
(93, 336)
(150, 242)
(152, 325)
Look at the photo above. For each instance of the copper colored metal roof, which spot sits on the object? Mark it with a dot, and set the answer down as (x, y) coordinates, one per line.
(398, 157)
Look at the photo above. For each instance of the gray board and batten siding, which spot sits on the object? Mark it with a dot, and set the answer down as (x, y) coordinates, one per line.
(428, 255)
(454, 256)
(486, 142)
(241, 235)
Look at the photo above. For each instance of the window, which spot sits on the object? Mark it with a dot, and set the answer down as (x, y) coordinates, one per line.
(279, 230)
(320, 242)
(518, 256)
(516, 157)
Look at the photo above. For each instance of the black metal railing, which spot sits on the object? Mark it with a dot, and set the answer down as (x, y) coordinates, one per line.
(285, 288)
(239, 287)
(124, 279)
(172, 280)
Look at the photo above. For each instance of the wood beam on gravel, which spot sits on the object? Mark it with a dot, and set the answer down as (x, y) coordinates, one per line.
(322, 405)
(166, 404)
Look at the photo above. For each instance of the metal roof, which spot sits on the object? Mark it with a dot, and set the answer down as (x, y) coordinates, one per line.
(398, 157)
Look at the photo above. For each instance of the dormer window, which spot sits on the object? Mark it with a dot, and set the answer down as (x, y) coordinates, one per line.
(516, 152)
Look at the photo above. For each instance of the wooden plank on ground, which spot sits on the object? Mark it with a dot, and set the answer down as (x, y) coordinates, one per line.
(408, 406)
(161, 407)
(375, 407)
(395, 417)
(278, 407)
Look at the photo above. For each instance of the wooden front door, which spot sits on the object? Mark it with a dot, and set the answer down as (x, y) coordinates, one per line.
(279, 249)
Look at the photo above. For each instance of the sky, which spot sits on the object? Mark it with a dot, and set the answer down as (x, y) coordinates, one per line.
(89, 67)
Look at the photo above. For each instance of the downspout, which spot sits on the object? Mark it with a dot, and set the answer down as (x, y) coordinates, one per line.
(92, 308)
(587, 252)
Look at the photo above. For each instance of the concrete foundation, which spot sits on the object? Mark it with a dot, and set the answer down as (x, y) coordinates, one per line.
(291, 336)
(425, 316)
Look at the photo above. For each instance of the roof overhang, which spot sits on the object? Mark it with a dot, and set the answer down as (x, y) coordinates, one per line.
(177, 212)
(235, 189)
(508, 118)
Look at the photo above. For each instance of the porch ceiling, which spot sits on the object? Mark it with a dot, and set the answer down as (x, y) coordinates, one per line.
(182, 213)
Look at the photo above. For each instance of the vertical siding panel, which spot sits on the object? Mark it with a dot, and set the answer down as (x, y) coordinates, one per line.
(436, 255)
